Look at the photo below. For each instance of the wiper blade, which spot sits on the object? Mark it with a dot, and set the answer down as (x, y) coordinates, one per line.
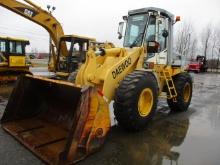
(137, 39)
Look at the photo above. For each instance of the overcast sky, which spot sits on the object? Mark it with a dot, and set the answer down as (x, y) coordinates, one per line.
(100, 18)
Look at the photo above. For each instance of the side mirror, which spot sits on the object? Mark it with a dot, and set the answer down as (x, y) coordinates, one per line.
(165, 33)
(120, 30)
(125, 18)
(152, 47)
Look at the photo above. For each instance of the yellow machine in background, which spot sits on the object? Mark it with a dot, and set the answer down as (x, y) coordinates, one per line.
(13, 60)
(63, 122)
(67, 51)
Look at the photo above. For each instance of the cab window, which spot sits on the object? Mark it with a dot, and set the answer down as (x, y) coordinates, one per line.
(151, 32)
(2, 46)
(135, 27)
(19, 48)
(151, 29)
(15, 47)
(161, 28)
(12, 47)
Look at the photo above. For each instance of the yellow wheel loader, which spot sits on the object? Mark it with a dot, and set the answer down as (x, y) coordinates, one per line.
(63, 122)
(13, 60)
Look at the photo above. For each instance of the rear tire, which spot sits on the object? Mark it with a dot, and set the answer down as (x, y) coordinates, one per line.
(183, 85)
(136, 100)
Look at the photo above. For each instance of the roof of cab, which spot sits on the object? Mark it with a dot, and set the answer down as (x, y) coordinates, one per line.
(78, 37)
(14, 39)
(147, 9)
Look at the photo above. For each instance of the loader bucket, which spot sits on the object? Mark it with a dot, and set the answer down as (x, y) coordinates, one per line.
(56, 120)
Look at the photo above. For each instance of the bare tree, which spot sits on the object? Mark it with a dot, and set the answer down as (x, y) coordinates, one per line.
(218, 46)
(206, 38)
(193, 48)
(213, 45)
(184, 39)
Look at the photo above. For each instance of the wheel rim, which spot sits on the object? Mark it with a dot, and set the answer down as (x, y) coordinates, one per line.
(186, 92)
(145, 102)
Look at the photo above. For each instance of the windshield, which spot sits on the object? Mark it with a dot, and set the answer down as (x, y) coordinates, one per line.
(135, 26)
(76, 55)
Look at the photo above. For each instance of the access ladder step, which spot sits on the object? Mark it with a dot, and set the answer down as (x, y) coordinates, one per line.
(170, 85)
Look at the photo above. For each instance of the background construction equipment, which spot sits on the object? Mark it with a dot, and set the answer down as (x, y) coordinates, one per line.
(71, 120)
(13, 61)
(67, 51)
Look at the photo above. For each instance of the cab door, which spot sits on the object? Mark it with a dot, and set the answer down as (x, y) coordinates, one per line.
(157, 27)
(16, 54)
(162, 29)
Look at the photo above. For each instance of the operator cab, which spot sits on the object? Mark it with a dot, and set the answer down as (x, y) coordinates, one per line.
(70, 60)
(151, 28)
(12, 52)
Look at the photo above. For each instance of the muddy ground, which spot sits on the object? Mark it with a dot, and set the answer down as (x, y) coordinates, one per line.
(188, 138)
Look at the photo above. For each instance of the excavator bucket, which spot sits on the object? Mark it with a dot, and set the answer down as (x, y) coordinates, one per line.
(58, 121)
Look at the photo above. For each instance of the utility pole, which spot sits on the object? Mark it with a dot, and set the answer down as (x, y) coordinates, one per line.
(50, 10)
(218, 60)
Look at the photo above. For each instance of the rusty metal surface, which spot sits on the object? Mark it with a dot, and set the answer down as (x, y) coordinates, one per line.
(40, 114)
(56, 120)
(44, 139)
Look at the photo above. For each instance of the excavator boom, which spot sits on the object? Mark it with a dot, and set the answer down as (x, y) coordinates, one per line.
(39, 16)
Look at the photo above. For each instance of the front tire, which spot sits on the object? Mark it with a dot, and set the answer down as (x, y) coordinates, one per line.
(136, 100)
(183, 85)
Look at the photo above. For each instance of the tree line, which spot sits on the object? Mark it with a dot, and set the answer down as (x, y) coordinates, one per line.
(190, 43)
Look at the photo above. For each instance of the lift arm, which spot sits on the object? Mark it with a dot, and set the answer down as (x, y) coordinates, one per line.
(41, 17)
